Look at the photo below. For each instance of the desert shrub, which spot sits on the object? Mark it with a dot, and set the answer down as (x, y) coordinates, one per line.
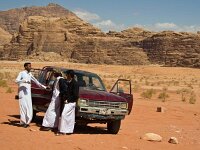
(192, 99)
(176, 83)
(148, 93)
(147, 82)
(163, 95)
(190, 86)
(136, 87)
(141, 79)
(9, 90)
(1, 76)
(3, 83)
(184, 92)
(7, 75)
(128, 77)
(120, 76)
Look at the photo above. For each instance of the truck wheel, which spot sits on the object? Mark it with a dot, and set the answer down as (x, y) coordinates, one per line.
(113, 126)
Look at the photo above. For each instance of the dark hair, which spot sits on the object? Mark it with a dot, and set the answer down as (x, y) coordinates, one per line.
(70, 72)
(58, 74)
(26, 64)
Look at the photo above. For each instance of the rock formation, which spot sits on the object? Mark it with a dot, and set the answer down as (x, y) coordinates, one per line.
(55, 31)
(173, 49)
(5, 38)
(73, 39)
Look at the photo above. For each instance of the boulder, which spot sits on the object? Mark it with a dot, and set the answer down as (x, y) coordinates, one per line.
(152, 137)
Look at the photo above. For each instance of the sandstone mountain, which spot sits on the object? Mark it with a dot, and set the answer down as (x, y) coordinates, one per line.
(11, 19)
(53, 33)
(5, 38)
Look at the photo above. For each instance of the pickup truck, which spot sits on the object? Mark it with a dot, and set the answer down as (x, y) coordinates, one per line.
(95, 104)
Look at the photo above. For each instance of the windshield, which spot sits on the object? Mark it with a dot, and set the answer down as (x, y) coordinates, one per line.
(90, 81)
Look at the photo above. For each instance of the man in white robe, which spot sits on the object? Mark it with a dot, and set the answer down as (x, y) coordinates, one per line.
(69, 92)
(25, 100)
(51, 117)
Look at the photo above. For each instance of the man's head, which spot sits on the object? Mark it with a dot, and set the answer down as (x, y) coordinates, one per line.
(27, 66)
(70, 74)
(57, 73)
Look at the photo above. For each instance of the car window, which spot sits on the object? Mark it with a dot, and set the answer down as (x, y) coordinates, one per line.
(90, 81)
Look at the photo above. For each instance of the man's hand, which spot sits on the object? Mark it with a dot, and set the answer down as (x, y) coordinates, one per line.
(48, 87)
(25, 81)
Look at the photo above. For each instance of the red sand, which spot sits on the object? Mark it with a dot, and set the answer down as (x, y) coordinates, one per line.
(180, 120)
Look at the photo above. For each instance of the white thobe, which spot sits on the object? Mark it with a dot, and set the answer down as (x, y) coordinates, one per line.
(67, 120)
(51, 117)
(25, 100)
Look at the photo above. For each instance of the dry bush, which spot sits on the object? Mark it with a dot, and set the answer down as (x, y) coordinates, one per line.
(163, 95)
(190, 86)
(148, 93)
(136, 87)
(184, 92)
(1, 75)
(7, 75)
(9, 90)
(192, 99)
(146, 82)
(3, 83)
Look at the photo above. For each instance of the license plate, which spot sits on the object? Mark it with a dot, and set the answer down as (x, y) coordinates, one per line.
(103, 111)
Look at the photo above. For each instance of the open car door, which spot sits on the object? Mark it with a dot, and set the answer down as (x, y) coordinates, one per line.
(40, 96)
(122, 87)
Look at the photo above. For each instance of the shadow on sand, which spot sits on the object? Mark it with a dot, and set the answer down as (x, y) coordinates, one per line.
(79, 129)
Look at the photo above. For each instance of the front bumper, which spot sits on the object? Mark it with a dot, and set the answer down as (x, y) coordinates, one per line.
(101, 113)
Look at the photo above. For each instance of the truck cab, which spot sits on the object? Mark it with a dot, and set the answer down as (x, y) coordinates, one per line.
(95, 103)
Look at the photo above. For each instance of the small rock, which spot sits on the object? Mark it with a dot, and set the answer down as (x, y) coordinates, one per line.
(152, 137)
(124, 147)
(161, 109)
(173, 140)
(177, 131)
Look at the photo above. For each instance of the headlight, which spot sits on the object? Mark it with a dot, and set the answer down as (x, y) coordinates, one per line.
(82, 102)
(124, 106)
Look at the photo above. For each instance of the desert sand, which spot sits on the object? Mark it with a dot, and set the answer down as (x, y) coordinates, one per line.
(180, 119)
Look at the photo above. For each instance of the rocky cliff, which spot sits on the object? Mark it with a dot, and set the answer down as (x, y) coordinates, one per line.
(173, 49)
(53, 33)
(73, 39)
(5, 38)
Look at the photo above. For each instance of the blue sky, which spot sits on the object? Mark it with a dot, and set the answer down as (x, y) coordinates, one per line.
(117, 15)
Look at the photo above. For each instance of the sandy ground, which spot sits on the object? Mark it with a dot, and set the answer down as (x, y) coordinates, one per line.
(180, 120)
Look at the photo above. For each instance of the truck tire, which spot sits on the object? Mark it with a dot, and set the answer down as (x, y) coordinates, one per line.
(113, 126)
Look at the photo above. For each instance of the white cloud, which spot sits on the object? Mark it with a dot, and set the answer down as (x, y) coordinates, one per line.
(169, 26)
(85, 15)
(96, 20)
(108, 25)
(165, 25)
